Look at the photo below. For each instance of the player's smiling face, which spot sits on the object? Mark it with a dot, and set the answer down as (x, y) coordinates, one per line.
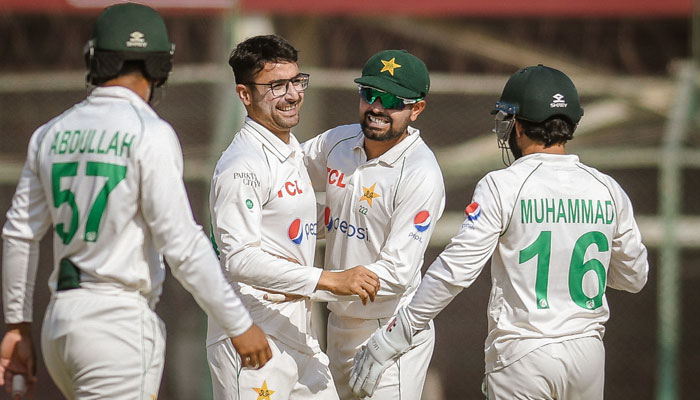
(383, 125)
(279, 114)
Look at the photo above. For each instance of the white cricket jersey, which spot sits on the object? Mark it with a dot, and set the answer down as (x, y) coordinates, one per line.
(106, 175)
(559, 233)
(379, 213)
(263, 211)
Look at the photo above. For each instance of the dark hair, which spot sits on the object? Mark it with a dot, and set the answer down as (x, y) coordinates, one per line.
(251, 55)
(127, 67)
(555, 130)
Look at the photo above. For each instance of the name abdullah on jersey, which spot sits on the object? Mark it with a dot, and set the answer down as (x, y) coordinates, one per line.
(70, 142)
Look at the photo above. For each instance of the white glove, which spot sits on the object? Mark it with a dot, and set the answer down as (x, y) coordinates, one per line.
(383, 347)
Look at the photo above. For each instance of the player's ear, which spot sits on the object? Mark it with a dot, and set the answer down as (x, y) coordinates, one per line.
(417, 109)
(518, 128)
(244, 94)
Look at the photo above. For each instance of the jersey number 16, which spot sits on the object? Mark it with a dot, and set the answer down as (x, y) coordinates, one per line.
(542, 248)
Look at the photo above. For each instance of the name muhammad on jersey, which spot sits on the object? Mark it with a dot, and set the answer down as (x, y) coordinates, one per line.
(569, 211)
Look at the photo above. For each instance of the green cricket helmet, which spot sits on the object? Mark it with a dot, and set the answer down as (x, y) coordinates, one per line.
(538, 93)
(129, 31)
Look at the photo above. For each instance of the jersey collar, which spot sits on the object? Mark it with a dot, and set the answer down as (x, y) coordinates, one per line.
(550, 158)
(270, 141)
(118, 92)
(395, 153)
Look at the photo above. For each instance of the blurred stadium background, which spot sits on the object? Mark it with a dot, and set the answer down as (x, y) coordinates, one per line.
(635, 64)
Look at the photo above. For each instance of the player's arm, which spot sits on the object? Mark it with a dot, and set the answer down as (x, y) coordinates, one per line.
(27, 221)
(401, 257)
(457, 267)
(316, 161)
(462, 260)
(239, 190)
(629, 267)
(181, 240)
(345, 285)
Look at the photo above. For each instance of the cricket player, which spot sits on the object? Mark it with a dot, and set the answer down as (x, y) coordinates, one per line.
(384, 194)
(263, 211)
(557, 232)
(106, 177)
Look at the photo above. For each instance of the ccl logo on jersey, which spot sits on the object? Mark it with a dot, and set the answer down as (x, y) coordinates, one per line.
(421, 222)
(291, 188)
(335, 177)
(297, 231)
(349, 230)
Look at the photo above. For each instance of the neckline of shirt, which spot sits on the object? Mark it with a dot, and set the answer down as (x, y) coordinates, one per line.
(395, 153)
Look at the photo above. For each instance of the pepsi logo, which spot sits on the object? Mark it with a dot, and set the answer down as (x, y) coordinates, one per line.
(346, 228)
(296, 234)
(327, 219)
(422, 221)
(473, 211)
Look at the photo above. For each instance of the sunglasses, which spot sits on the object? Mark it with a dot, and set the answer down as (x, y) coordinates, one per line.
(389, 101)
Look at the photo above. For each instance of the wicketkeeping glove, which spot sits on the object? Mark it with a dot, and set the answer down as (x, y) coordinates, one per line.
(385, 345)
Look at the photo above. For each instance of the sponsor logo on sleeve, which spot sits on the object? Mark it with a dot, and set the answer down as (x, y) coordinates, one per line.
(248, 178)
(473, 213)
(422, 221)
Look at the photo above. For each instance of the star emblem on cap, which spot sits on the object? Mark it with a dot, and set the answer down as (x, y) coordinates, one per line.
(263, 392)
(369, 194)
(390, 65)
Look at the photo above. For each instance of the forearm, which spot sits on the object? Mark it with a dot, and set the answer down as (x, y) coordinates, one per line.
(200, 274)
(19, 265)
(257, 268)
(432, 296)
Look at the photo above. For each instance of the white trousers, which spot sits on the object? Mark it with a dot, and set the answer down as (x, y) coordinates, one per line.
(289, 374)
(403, 380)
(570, 370)
(103, 344)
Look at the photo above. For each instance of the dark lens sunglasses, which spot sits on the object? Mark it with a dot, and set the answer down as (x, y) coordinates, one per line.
(389, 101)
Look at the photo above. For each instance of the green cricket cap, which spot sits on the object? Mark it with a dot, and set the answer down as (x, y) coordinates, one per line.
(397, 72)
(537, 93)
(130, 27)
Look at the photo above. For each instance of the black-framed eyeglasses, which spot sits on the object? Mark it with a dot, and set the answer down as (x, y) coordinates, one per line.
(279, 88)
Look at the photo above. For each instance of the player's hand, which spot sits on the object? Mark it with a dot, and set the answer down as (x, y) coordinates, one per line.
(384, 346)
(358, 280)
(17, 357)
(253, 348)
